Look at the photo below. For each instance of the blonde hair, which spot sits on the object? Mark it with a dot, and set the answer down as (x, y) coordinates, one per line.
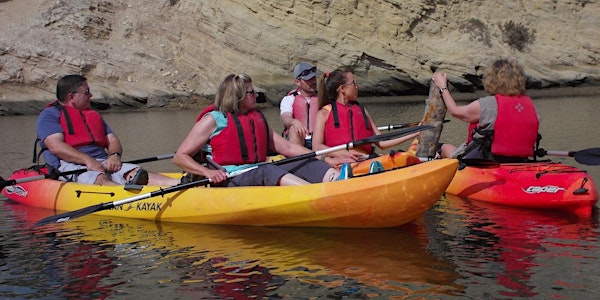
(506, 77)
(231, 92)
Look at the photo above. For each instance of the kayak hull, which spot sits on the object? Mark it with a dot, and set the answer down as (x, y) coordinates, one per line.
(387, 199)
(540, 185)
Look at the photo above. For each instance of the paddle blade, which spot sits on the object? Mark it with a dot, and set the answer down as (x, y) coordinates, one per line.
(72, 214)
(5, 183)
(589, 156)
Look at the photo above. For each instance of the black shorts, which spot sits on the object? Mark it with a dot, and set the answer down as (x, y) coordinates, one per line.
(311, 170)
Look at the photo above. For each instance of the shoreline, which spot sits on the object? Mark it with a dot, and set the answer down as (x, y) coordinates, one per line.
(33, 107)
(579, 91)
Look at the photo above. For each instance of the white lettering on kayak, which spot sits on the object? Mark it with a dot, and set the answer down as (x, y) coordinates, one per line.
(551, 189)
(16, 190)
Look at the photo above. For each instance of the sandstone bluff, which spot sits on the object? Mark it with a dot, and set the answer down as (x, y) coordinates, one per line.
(143, 54)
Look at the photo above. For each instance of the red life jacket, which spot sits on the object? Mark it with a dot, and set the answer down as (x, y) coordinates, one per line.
(516, 126)
(472, 126)
(515, 129)
(305, 111)
(206, 110)
(244, 140)
(82, 127)
(347, 123)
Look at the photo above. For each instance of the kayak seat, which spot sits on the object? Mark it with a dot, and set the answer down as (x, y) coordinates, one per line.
(376, 167)
(345, 172)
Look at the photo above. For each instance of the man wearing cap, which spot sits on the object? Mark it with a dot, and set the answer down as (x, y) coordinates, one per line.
(300, 106)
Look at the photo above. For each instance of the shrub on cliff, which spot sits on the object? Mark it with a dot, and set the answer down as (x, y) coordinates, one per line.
(516, 35)
(477, 31)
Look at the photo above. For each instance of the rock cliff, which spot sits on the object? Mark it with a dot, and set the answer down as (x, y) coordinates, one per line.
(139, 54)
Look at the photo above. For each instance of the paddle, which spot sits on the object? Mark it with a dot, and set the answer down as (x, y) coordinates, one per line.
(54, 175)
(353, 144)
(104, 206)
(400, 126)
(59, 218)
(589, 156)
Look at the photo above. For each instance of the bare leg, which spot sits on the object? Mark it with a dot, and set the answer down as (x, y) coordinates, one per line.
(331, 175)
(290, 179)
(294, 138)
(103, 179)
(162, 180)
(447, 150)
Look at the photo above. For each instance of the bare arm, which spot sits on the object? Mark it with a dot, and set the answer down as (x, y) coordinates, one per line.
(318, 137)
(295, 127)
(56, 144)
(389, 143)
(283, 146)
(113, 162)
(287, 115)
(468, 113)
(193, 142)
(397, 141)
(288, 119)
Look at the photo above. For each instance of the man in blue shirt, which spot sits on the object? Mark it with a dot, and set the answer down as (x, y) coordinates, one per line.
(77, 137)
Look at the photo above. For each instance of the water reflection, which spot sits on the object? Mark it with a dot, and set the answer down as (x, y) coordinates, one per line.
(461, 249)
(513, 248)
(100, 256)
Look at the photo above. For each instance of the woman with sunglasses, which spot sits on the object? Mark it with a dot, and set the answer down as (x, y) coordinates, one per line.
(342, 119)
(240, 138)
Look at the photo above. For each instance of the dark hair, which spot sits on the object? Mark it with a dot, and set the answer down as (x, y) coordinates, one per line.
(68, 84)
(328, 84)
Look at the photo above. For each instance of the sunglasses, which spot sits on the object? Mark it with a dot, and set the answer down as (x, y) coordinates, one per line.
(351, 83)
(307, 72)
(85, 93)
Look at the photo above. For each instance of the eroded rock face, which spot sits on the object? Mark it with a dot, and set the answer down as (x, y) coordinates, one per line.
(135, 52)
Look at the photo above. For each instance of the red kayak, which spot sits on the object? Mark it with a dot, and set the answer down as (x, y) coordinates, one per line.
(540, 185)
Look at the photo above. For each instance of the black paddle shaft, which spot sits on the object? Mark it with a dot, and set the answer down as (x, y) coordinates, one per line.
(353, 144)
(56, 175)
(590, 156)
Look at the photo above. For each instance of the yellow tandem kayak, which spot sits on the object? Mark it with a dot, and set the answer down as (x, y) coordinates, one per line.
(386, 199)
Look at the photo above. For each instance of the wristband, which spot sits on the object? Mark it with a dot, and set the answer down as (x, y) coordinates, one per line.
(442, 90)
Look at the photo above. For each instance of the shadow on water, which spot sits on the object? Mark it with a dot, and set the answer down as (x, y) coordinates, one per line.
(102, 257)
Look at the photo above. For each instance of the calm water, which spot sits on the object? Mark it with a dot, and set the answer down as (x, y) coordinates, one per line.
(457, 250)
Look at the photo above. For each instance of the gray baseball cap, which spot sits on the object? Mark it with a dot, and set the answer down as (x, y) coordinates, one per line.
(305, 71)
